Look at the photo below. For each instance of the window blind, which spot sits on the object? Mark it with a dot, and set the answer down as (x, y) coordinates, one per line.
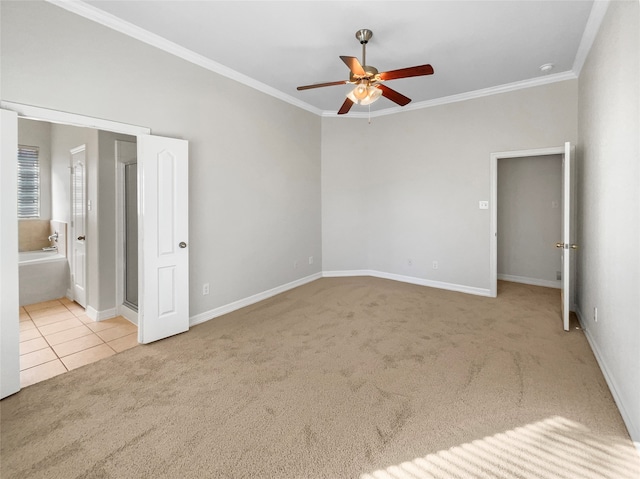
(28, 182)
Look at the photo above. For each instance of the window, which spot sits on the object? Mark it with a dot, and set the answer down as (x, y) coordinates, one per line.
(28, 182)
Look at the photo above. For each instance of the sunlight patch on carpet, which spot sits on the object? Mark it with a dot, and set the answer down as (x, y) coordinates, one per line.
(555, 447)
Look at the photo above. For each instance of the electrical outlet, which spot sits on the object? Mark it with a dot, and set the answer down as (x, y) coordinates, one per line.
(483, 205)
(310, 259)
(595, 314)
(435, 265)
(205, 289)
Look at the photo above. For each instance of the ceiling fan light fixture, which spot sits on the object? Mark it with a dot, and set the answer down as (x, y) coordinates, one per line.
(363, 94)
(361, 91)
(373, 95)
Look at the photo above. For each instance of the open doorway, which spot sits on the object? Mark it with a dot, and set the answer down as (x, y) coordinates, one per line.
(566, 241)
(78, 322)
(530, 220)
(163, 254)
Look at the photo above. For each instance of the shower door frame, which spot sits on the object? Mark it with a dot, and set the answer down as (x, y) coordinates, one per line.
(121, 306)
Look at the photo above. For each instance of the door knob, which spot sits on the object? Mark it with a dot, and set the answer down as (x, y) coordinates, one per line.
(559, 245)
(574, 246)
(182, 244)
(81, 238)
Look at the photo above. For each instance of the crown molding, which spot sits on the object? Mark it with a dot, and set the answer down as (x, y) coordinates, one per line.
(496, 90)
(106, 19)
(598, 11)
(110, 21)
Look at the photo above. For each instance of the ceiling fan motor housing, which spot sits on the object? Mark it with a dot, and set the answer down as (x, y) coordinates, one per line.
(371, 73)
(364, 35)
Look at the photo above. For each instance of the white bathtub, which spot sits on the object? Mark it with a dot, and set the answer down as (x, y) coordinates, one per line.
(44, 275)
(38, 256)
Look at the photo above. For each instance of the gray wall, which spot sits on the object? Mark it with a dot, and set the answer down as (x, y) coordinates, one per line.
(254, 172)
(106, 210)
(609, 204)
(407, 186)
(530, 219)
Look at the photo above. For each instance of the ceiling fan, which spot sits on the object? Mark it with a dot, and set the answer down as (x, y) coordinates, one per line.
(368, 80)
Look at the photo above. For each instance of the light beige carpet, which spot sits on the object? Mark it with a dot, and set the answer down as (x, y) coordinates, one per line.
(341, 378)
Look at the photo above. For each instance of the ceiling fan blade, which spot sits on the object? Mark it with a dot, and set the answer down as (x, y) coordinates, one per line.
(393, 95)
(346, 106)
(407, 72)
(318, 85)
(354, 65)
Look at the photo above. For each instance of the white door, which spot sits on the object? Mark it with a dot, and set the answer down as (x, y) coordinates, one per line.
(567, 244)
(79, 225)
(163, 228)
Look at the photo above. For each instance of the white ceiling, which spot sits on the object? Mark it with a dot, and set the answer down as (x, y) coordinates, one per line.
(275, 46)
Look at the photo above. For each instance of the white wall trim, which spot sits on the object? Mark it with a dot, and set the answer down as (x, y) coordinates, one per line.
(54, 116)
(409, 279)
(100, 315)
(347, 273)
(228, 308)
(496, 90)
(547, 283)
(127, 313)
(493, 204)
(9, 294)
(633, 429)
(111, 21)
(598, 11)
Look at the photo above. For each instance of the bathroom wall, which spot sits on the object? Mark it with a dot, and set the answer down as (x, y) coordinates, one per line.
(32, 235)
(103, 278)
(33, 232)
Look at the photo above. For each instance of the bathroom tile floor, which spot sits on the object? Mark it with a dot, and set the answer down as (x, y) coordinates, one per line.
(57, 336)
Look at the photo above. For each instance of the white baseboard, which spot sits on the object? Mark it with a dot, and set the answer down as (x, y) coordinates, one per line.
(100, 315)
(228, 308)
(127, 313)
(633, 429)
(409, 279)
(547, 283)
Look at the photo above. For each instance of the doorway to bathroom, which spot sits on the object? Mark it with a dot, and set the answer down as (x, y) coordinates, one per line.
(163, 254)
(78, 322)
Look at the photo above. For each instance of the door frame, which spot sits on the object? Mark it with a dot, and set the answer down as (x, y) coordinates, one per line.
(493, 205)
(72, 251)
(121, 308)
(9, 226)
